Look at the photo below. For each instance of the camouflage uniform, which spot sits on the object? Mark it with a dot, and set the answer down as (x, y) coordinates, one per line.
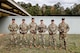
(52, 29)
(33, 31)
(23, 29)
(13, 27)
(42, 29)
(63, 29)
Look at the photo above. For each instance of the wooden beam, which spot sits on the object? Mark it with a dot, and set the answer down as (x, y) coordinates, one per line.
(5, 6)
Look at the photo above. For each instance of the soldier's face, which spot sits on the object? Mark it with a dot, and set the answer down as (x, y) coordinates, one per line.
(63, 21)
(23, 21)
(52, 22)
(13, 21)
(32, 20)
(41, 22)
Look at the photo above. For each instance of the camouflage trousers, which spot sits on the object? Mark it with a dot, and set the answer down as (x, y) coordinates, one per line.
(63, 39)
(13, 38)
(52, 40)
(33, 39)
(23, 39)
(41, 39)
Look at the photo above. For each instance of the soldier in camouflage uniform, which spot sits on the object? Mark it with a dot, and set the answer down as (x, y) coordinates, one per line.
(33, 31)
(23, 29)
(42, 29)
(13, 27)
(52, 29)
(63, 29)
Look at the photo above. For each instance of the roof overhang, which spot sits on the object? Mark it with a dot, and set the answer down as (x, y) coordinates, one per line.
(14, 5)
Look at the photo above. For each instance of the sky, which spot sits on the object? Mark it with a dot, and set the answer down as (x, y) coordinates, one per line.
(65, 3)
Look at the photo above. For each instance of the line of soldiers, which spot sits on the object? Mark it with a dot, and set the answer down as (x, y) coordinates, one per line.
(63, 28)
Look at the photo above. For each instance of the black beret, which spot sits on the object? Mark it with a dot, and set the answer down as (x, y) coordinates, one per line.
(13, 19)
(32, 18)
(52, 20)
(23, 19)
(41, 20)
(63, 18)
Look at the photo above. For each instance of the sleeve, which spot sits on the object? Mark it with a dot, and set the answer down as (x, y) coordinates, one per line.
(9, 27)
(45, 28)
(56, 28)
(49, 29)
(19, 27)
(59, 28)
(36, 27)
(27, 28)
(68, 28)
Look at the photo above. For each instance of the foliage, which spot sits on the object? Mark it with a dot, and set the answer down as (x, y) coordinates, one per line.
(47, 10)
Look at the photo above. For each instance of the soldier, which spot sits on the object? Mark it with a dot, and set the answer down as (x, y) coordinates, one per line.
(33, 31)
(13, 27)
(23, 29)
(52, 29)
(42, 29)
(63, 29)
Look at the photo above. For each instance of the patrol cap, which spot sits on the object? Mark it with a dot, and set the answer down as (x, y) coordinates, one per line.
(63, 18)
(52, 20)
(41, 20)
(13, 19)
(23, 19)
(32, 18)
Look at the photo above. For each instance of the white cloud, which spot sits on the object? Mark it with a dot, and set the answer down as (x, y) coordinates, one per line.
(65, 3)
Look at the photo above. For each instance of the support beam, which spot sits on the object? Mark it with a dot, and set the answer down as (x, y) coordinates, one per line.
(1, 10)
(12, 7)
(19, 7)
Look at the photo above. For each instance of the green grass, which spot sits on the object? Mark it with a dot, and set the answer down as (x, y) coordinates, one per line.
(73, 46)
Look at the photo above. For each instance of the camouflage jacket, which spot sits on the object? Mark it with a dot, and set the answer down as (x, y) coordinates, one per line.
(42, 28)
(23, 28)
(52, 28)
(13, 27)
(63, 27)
(33, 27)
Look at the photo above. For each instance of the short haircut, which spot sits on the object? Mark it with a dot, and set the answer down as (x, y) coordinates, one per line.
(32, 18)
(41, 20)
(52, 20)
(13, 19)
(63, 18)
(23, 19)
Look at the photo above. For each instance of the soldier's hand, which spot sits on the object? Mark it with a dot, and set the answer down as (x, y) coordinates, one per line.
(54, 32)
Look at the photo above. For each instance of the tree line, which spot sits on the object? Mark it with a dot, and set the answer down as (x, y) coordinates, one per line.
(47, 10)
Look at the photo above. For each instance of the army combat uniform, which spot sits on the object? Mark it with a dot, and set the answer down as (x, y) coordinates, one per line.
(13, 27)
(52, 29)
(63, 29)
(23, 29)
(33, 31)
(42, 29)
